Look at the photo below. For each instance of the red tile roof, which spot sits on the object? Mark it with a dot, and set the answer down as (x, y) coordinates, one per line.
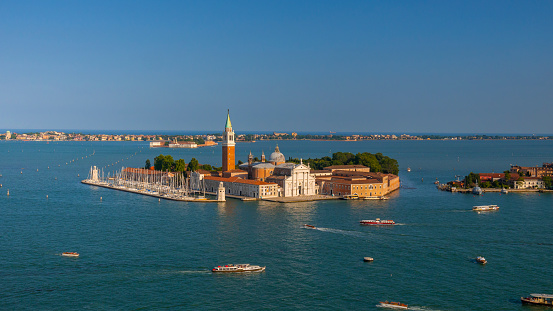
(239, 180)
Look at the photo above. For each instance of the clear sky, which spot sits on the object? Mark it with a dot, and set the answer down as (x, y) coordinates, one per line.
(364, 66)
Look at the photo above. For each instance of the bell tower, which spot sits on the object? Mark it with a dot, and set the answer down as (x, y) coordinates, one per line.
(228, 146)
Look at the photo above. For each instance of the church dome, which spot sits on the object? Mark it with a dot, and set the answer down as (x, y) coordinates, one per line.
(277, 157)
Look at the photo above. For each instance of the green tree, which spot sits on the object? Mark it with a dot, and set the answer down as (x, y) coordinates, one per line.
(547, 182)
(148, 164)
(180, 165)
(164, 163)
(369, 160)
(471, 179)
(507, 175)
(193, 165)
(206, 167)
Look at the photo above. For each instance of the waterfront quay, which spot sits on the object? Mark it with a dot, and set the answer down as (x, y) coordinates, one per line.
(494, 190)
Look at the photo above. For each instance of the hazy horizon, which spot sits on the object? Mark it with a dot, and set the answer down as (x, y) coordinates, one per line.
(200, 132)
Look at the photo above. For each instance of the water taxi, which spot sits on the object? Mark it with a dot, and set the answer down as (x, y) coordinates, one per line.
(392, 304)
(538, 299)
(368, 259)
(238, 268)
(485, 208)
(481, 260)
(377, 222)
(309, 226)
(70, 254)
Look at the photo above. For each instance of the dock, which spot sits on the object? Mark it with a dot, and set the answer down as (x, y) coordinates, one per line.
(180, 198)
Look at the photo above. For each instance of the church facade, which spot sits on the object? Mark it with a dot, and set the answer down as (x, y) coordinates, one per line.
(271, 178)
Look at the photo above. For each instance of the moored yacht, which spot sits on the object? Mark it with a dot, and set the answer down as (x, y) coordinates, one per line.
(238, 268)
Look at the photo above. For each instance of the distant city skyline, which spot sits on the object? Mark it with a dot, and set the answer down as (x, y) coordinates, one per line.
(286, 66)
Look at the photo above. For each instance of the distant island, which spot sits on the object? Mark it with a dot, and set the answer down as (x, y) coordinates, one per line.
(516, 178)
(201, 140)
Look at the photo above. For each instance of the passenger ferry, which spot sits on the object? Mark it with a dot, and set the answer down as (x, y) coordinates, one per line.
(377, 222)
(70, 254)
(485, 208)
(538, 299)
(238, 268)
(392, 304)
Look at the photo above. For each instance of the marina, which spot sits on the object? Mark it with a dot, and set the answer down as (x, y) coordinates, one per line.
(156, 184)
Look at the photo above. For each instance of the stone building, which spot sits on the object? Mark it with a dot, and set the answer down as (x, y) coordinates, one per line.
(358, 183)
(294, 180)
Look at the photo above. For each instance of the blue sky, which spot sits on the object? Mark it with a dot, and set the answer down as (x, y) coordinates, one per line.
(366, 66)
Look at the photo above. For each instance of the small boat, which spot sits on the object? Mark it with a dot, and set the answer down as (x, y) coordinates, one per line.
(504, 191)
(309, 226)
(408, 169)
(377, 198)
(368, 259)
(485, 208)
(538, 299)
(392, 304)
(238, 268)
(481, 260)
(351, 197)
(70, 254)
(377, 222)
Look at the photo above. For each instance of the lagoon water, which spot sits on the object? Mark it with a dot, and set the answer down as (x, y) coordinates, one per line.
(138, 253)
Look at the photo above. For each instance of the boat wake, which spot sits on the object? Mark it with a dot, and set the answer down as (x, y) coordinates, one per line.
(422, 308)
(194, 272)
(342, 232)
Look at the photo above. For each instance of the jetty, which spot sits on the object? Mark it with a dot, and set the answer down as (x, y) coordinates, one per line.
(158, 184)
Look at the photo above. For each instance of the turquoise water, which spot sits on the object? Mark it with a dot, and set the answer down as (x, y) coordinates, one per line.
(138, 253)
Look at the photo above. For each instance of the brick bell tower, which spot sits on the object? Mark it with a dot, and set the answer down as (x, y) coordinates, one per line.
(228, 146)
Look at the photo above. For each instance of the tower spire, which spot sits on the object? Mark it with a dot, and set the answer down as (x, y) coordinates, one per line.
(228, 124)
